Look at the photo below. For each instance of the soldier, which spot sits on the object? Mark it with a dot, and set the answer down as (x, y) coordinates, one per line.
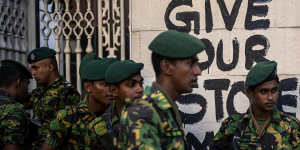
(263, 126)
(52, 93)
(87, 58)
(154, 121)
(83, 127)
(14, 121)
(126, 84)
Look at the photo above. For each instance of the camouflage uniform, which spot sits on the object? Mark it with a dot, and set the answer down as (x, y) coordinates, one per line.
(238, 132)
(113, 120)
(14, 123)
(46, 102)
(77, 128)
(152, 123)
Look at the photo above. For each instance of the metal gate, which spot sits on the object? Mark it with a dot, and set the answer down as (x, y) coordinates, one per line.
(76, 27)
(13, 30)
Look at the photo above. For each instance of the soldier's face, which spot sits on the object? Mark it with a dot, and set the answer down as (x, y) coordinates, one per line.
(100, 92)
(131, 88)
(264, 97)
(184, 75)
(40, 71)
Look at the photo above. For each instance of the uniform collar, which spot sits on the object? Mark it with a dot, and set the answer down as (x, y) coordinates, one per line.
(114, 114)
(164, 101)
(55, 83)
(159, 96)
(275, 115)
(85, 102)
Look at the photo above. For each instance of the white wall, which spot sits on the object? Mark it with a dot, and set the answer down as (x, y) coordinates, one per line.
(279, 42)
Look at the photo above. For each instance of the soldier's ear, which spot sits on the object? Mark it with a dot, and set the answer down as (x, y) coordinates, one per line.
(51, 67)
(87, 86)
(18, 82)
(167, 67)
(250, 93)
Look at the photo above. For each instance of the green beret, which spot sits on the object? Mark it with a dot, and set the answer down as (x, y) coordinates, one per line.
(261, 72)
(39, 54)
(174, 44)
(95, 70)
(87, 58)
(16, 65)
(122, 70)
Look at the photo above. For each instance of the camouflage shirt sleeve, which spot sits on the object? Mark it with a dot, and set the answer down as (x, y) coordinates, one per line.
(100, 137)
(70, 96)
(58, 130)
(223, 138)
(29, 104)
(14, 124)
(140, 128)
(295, 140)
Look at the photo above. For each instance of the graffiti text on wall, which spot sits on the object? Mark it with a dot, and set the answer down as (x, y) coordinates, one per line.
(252, 55)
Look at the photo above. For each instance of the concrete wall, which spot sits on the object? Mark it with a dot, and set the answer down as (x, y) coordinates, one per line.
(238, 33)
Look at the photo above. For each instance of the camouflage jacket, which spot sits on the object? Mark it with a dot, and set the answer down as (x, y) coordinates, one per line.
(152, 123)
(77, 128)
(238, 132)
(114, 125)
(46, 102)
(14, 122)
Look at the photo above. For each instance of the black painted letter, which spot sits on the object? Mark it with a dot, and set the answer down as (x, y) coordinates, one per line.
(256, 55)
(192, 99)
(193, 142)
(218, 85)
(289, 84)
(229, 19)
(220, 61)
(210, 51)
(236, 87)
(260, 11)
(186, 17)
(208, 16)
